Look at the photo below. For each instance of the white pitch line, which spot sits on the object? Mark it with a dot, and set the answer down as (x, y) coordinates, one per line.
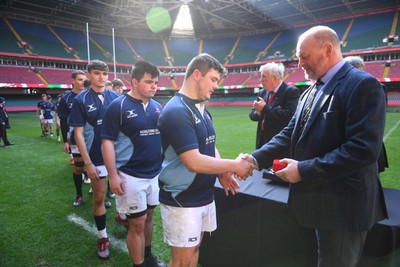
(391, 131)
(91, 228)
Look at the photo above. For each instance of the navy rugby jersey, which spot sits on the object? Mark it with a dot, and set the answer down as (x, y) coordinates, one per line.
(64, 110)
(47, 108)
(65, 105)
(183, 128)
(87, 111)
(137, 139)
(40, 103)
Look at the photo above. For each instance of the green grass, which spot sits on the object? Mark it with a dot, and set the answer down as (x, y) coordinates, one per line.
(36, 193)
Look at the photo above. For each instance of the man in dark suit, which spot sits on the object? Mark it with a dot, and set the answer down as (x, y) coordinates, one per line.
(4, 123)
(275, 104)
(358, 63)
(334, 144)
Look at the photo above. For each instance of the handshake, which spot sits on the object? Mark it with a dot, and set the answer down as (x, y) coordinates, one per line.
(242, 167)
(245, 166)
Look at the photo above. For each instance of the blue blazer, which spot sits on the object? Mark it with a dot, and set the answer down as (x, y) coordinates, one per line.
(337, 153)
(277, 114)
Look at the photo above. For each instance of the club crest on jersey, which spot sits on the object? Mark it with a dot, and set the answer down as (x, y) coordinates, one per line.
(91, 108)
(158, 112)
(196, 120)
(131, 114)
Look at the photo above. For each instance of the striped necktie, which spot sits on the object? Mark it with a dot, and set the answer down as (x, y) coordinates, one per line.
(309, 102)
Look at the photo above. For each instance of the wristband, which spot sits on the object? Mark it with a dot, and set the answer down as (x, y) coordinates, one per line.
(88, 164)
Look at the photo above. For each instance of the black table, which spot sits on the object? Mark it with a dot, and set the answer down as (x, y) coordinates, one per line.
(256, 228)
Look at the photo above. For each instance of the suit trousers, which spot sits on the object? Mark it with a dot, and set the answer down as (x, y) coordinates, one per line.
(339, 248)
(3, 133)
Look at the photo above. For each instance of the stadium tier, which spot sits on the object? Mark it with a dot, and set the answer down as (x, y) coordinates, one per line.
(26, 42)
(11, 74)
(359, 33)
(24, 74)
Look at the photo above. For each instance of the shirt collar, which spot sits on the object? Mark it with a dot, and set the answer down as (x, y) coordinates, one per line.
(332, 71)
(277, 88)
(193, 101)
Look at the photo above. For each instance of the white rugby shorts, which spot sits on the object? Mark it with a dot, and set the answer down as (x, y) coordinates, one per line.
(183, 226)
(138, 193)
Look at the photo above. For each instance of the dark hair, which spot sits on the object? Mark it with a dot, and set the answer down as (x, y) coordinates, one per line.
(76, 73)
(141, 67)
(87, 83)
(117, 82)
(97, 65)
(204, 63)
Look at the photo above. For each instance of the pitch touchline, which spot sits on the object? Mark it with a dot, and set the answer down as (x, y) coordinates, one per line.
(115, 242)
(391, 131)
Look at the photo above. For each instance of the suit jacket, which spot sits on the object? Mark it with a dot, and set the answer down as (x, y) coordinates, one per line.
(383, 161)
(4, 117)
(337, 154)
(277, 114)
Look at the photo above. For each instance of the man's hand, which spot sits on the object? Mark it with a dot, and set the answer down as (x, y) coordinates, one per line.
(116, 185)
(66, 147)
(245, 167)
(291, 172)
(259, 105)
(228, 183)
(92, 172)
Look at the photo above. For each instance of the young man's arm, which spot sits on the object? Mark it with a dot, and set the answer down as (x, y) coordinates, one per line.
(196, 162)
(64, 133)
(227, 179)
(80, 142)
(108, 152)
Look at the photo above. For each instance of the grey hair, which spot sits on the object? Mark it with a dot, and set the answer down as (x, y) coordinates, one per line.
(356, 61)
(274, 69)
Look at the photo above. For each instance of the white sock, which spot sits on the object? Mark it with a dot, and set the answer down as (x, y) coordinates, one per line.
(102, 233)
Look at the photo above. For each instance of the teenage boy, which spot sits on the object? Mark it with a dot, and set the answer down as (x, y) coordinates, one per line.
(86, 117)
(132, 154)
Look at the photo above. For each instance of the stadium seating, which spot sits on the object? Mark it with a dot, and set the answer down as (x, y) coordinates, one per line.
(56, 76)
(282, 45)
(164, 81)
(296, 75)
(127, 50)
(368, 32)
(234, 79)
(182, 51)
(375, 68)
(43, 42)
(395, 69)
(218, 47)
(12, 74)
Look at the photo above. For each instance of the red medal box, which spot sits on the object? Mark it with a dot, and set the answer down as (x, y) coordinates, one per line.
(277, 165)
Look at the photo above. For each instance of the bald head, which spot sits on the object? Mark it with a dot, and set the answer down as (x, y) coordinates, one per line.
(318, 49)
(322, 35)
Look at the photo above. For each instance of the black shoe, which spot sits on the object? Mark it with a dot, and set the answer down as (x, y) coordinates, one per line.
(8, 144)
(153, 262)
(108, 204)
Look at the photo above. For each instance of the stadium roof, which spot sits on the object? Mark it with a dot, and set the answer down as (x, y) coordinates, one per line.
(211, 18)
